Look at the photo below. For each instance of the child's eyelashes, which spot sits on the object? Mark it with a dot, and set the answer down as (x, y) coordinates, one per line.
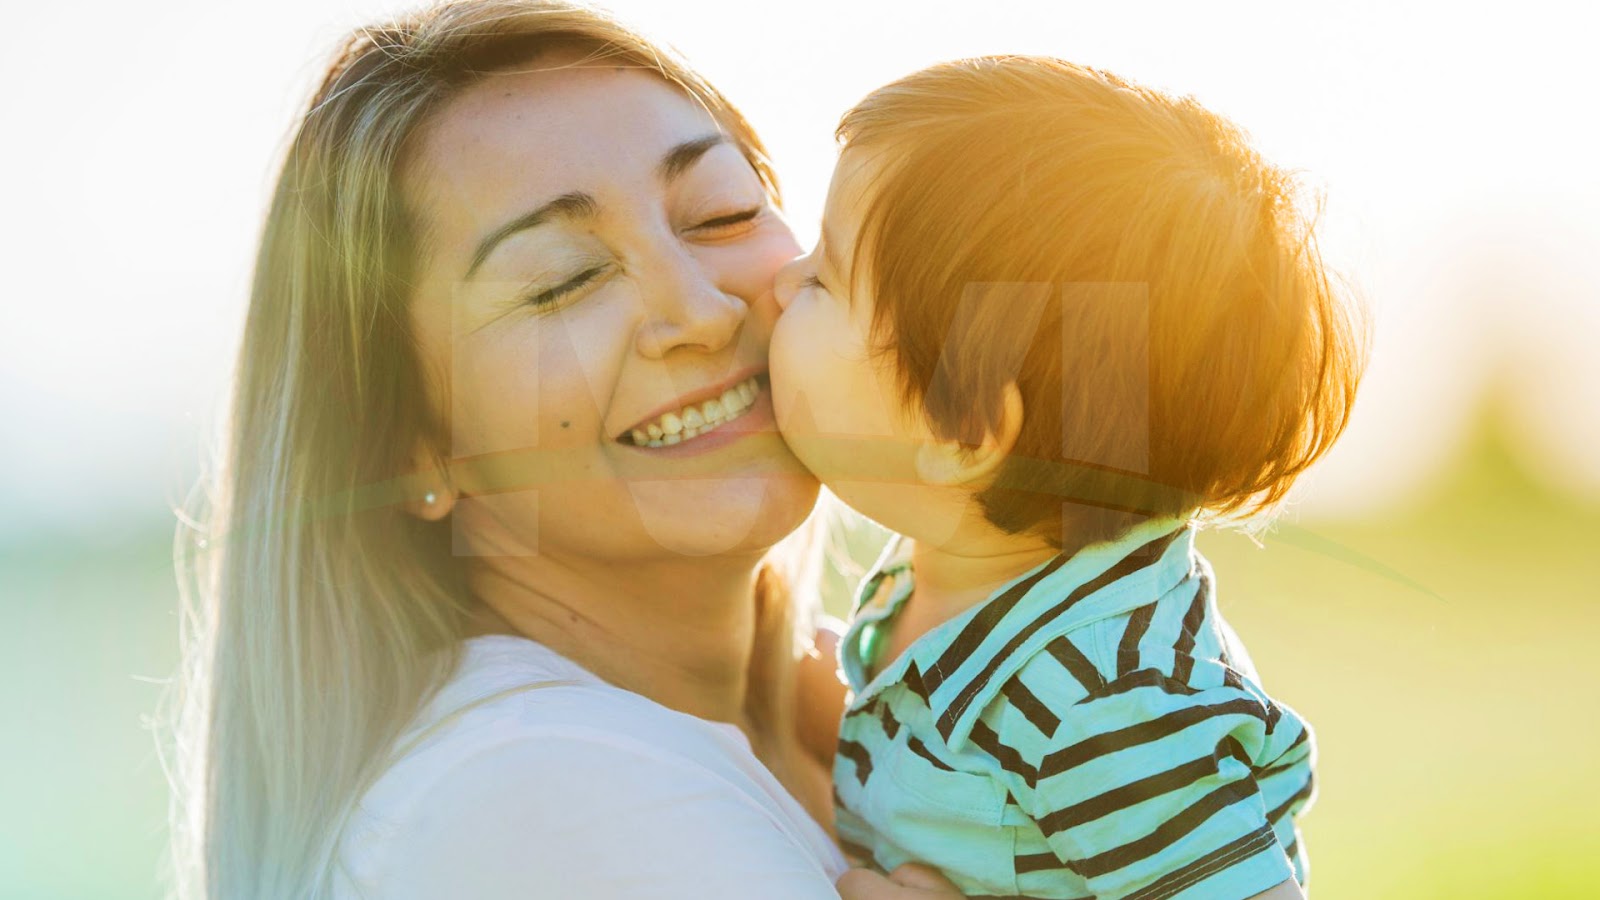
(811, 281)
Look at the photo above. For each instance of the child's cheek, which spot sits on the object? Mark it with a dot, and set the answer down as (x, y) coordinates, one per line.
(781, 366)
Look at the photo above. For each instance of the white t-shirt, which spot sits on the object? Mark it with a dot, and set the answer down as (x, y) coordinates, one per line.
(528, 776)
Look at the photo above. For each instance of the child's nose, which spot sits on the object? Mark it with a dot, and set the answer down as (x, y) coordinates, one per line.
(788, 281)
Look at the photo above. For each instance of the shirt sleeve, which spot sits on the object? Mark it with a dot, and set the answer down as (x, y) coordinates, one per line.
(561, 816)
(1147, 790)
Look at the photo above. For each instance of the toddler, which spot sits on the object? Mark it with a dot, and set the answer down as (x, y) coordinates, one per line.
(1055, 321)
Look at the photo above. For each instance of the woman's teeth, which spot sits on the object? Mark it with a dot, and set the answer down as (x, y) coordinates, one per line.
(697, 418)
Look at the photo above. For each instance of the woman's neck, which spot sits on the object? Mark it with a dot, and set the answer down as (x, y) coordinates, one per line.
(678, 631)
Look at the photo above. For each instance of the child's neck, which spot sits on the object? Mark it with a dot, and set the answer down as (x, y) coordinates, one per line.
(950, 580)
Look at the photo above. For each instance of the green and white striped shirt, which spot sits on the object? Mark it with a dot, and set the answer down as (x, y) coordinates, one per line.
(1093, 729)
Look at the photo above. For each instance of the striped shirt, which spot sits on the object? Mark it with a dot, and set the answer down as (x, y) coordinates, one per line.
(1092, 730)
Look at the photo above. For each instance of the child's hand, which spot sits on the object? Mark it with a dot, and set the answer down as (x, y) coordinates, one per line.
(1289, 890)
(909, 882)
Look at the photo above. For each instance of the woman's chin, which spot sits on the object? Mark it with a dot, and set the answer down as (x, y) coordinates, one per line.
(730, 515)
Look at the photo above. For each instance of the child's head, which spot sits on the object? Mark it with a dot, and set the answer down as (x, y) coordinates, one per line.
(1143, 278)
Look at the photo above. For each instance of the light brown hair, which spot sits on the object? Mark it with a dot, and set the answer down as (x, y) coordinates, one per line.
(1149, 282)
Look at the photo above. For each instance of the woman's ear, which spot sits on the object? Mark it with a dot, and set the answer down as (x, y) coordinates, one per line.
(951, 463)
(429, 494)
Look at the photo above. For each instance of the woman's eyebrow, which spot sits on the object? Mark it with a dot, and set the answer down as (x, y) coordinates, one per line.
(573, 205)
(579, 205)
(680, 158)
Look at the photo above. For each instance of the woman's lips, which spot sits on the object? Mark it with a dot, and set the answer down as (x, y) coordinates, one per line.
(700, 413)
(755, 416)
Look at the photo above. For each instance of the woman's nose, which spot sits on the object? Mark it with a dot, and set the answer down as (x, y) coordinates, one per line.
(686, 307)
(788, 281)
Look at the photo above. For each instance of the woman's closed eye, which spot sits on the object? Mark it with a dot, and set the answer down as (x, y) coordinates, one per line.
(729, 225)
(733, 222)
(577, 282)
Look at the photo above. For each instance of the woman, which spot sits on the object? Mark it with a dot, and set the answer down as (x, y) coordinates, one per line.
(484, 611)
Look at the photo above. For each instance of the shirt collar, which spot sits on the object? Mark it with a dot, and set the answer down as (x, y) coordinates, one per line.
(960, 665)
(878, 598)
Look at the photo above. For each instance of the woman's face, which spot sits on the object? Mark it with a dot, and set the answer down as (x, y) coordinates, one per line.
(593, 313)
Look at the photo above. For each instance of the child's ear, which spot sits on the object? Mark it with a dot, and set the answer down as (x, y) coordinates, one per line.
(952, 464)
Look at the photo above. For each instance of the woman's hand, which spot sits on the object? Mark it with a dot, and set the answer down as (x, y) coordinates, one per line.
(821, 694)
(780, 669)
(909, 882)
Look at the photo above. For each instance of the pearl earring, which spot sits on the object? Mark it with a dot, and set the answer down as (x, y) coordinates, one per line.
(428, 498)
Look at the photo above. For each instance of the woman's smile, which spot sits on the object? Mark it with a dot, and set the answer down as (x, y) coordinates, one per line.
(706, 419)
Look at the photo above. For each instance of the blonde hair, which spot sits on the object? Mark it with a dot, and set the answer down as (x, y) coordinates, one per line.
(318, 614)
(1208, 394)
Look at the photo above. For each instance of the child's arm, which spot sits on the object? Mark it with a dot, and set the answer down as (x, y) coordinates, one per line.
(914, 882)
(1163, 792)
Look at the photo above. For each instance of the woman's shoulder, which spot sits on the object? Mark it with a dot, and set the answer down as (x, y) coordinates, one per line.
(510, 692)
(523, 748)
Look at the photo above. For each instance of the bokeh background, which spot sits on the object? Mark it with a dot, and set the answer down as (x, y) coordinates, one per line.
(1429, 602)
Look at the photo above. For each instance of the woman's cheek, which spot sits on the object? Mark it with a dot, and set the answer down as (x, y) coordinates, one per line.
(487, 378)
(753, 263)
(595, 339)
(531, 386)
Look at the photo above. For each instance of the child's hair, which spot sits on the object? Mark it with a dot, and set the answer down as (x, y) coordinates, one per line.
(1119, 248)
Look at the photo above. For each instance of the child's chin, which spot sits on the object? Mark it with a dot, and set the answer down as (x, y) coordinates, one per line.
(807, 449)
(895, 507)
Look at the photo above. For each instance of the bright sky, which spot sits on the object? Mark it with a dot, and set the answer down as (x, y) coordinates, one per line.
(1456, 150)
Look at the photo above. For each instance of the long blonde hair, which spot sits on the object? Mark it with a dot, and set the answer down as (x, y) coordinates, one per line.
(318, 615)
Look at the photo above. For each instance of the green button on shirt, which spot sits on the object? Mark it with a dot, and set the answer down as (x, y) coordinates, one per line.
(1093, 729)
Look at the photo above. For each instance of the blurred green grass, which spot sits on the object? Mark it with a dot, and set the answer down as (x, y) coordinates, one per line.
(89, 630)
(1457, 732)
